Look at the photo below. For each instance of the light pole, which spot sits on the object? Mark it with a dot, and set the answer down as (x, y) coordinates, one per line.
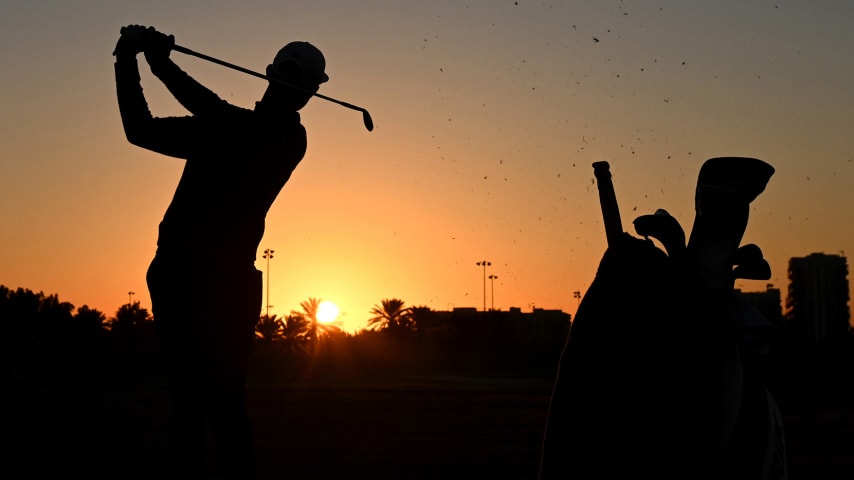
(492, 285)
(268, 254)
(130, 298)
(485, 264)
(577, 295)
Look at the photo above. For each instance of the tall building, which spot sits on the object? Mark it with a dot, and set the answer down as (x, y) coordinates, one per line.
(817, 304)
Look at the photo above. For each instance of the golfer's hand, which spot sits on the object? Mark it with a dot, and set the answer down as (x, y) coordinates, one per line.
(157, 45)
(131, 41)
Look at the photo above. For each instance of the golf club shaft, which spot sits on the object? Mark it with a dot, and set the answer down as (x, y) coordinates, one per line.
(367, 118)
(608, 202)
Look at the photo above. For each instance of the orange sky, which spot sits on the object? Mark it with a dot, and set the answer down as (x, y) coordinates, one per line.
(488, 116)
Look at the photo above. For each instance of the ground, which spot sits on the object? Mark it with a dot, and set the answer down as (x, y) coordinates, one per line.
(387, 428)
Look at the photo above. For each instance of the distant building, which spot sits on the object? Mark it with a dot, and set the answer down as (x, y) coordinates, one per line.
(769, 303)
(817, 303)
(538, 326)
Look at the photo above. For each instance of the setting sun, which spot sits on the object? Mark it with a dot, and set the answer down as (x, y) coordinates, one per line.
(327, 312)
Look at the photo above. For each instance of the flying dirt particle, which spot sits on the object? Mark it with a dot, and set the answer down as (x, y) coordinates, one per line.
(595, 40)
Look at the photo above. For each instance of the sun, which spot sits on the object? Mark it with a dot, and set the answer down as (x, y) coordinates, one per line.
(327, 312)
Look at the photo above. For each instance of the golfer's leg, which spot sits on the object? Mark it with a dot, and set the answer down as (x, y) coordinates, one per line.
(235, 328)
(178, 343)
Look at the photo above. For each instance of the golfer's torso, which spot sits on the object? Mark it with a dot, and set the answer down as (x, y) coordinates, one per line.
(229, 183)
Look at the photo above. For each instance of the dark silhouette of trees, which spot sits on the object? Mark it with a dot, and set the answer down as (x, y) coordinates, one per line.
(309, 313)
(420, 316)
(41, 332)
(391, 316)
(295, 334)
(54, 327)
(43, 338)
(35, 320)
(316, 329)
(90, 320)
(133, 324)
(268, 329)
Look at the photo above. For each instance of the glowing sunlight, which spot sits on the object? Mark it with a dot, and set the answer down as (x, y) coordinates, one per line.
(327, 312)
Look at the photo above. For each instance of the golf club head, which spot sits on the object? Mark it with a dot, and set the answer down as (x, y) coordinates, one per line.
(664, 228)
(369, 123)
(750, 263)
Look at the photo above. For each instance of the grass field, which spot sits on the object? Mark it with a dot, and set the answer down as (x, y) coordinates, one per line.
(407, 428)
(87, 418)
(392, 428)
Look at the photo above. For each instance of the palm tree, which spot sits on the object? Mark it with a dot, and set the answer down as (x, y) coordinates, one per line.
(295, 326)
(295, 330)
(309, 313)
(392, 316)
(269, 328)
(422, 317)
(133, 323)
(316, 329)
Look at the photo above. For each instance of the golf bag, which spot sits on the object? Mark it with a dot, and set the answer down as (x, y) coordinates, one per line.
(660, 375)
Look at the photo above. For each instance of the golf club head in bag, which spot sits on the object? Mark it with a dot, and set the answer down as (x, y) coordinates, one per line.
(725, 188)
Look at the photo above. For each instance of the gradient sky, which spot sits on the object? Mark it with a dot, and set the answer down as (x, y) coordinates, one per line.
(488, 116)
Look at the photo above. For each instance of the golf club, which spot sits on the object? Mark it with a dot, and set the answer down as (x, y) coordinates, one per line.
(608, 202)
(366, 117)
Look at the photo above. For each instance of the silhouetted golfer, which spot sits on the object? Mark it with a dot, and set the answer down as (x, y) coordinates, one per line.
(205, 290)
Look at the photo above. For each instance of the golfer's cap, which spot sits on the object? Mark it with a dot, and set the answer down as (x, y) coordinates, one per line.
(309, 59)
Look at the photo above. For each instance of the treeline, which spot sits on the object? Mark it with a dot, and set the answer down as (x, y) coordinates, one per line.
(416, 339)
(45, 339)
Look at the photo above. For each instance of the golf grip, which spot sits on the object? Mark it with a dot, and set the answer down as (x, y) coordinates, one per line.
(608, 202)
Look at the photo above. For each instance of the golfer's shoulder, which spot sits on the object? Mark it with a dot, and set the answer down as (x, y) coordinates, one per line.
(289, 125)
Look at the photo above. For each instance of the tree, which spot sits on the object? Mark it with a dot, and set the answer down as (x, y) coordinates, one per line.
(19, 318)
(90, 318)
(269, 329)
(316, 329)
(132, 323)
(295, 331)
(309, 313)
(90, 325)
(392, 317)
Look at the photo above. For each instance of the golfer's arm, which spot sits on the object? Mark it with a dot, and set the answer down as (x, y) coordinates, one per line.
(163, 135)
(192, 95)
